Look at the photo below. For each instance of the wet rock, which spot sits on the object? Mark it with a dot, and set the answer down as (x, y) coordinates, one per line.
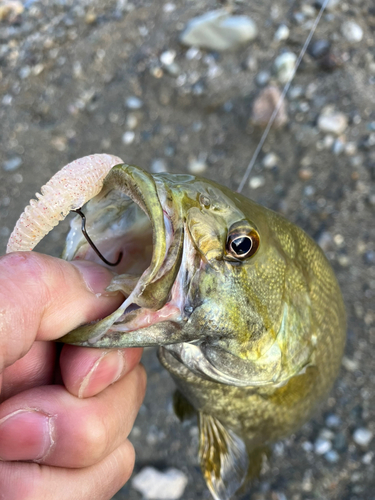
(264, 106)
(218, 30)
(284, 66)
(352, 31)
(156, 485)
(12, 164)
(362, 436)
(331, 121)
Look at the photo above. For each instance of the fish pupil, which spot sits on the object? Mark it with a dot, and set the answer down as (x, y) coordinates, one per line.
(241, 246)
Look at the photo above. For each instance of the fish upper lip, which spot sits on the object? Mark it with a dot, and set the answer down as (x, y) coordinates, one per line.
(158, 293)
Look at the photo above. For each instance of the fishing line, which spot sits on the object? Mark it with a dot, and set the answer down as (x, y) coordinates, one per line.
(281, 99)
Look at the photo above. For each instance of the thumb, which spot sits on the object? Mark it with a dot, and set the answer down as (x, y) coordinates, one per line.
(43, 298)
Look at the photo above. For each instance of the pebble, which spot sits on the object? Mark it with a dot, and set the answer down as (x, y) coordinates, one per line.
(156, 485)
(367, 458)
(322, 446)
(307, 446)
(167, 58)
(128, 137)
(158, 166)
(352, 31)
(332, 456)
(339, 146)
(257, 182)
(333, 421)
(284, 66)
(218, 30)
(12, 164)
(133, 102)
(330, 121)
(350, 364)
(319, 48)
(331, 5)
(262, 78)
(362, 436)
(340, 442)
(270, 160)
(10, 10)
(282, 33)
(132, 121)
(264, 106)
(197, 166)
(305, 174)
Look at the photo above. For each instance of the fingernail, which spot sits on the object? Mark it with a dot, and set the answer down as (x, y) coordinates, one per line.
(96, 277)
(25, 435)
(105, 371)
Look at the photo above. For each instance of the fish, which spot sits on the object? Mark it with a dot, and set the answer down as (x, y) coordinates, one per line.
(243, 305)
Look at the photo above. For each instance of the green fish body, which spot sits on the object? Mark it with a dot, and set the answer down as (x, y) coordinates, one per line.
(244, 307)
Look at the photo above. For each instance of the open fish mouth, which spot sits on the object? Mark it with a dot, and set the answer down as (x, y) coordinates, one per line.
(135, 214)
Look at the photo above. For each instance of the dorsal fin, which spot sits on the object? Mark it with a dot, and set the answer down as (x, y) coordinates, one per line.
(223, 457)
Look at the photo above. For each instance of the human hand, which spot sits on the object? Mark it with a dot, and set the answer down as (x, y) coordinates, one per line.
(68, 439)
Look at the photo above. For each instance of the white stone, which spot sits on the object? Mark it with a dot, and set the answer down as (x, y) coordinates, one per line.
(350, 364)
(168, 57)
(352, 31)
(270, 160)
(158, 166)
(284, 66)
(362, 436)
(332, 122)
(133, 102)
(322, 446)
(12, 164)
(332, 456)
(156, 485)
(218, 30)
(197, 166)
(128, 137)
(282, 33)
(257, 182)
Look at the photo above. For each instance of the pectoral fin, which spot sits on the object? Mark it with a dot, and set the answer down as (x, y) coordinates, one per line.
(223, 456)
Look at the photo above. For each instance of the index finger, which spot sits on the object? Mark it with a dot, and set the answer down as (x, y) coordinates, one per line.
(43, 298)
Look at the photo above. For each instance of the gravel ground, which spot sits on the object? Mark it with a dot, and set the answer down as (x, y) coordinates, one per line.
(103, 76)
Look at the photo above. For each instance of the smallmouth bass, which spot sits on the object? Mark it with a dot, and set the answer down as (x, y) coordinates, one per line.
(243, 305)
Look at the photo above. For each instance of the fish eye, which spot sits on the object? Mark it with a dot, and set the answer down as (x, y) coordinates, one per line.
(242, 246)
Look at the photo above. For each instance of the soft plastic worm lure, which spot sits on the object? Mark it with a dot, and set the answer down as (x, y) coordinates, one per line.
(67, 190)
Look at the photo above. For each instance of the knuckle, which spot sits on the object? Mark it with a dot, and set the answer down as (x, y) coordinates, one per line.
(94, 440)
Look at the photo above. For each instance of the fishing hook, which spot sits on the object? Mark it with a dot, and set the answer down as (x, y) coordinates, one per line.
(91, 243)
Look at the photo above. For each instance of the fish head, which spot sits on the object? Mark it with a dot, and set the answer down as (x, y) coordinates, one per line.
(204, 274)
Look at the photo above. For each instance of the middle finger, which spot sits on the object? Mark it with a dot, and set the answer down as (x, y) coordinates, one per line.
(53, 427)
